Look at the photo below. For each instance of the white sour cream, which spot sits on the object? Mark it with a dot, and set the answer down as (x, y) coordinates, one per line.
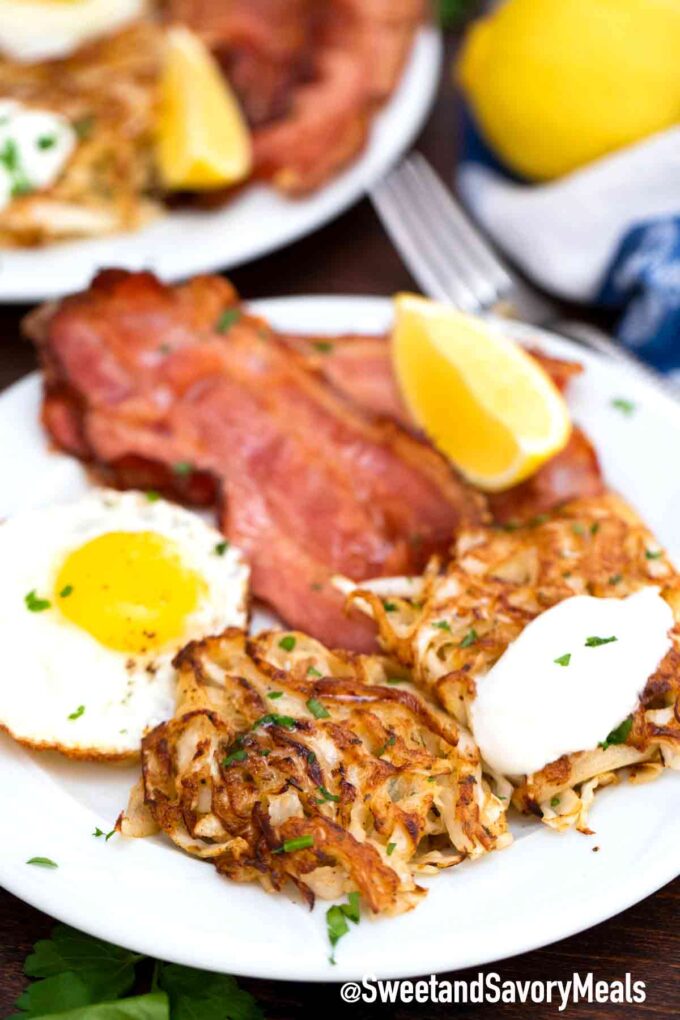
(35, 145)
(530, 709)
(36, 30)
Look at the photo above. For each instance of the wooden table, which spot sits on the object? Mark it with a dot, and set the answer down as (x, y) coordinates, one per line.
(353, 256)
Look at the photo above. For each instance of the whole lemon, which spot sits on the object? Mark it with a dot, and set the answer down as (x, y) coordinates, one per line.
(554, 84)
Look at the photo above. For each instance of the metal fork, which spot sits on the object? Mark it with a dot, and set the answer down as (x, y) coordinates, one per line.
(453, 263)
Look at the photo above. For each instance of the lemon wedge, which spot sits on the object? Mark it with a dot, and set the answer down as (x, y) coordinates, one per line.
(202, 139)
(482, 400)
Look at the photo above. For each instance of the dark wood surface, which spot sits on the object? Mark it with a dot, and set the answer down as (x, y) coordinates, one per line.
(353, 256)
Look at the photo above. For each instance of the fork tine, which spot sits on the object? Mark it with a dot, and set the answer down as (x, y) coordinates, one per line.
(443, 230)
(410, 238)
(481, 253)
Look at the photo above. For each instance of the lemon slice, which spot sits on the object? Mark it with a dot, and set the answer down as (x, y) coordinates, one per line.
(483, 401)
(202, 139)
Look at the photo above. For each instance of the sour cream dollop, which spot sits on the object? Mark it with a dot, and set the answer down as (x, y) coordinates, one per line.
(35, 146)
(570, 678)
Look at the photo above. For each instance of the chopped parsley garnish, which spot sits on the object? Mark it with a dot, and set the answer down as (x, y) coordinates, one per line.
(107, 835)
(337, 917)
(323, 346)
(287, 643)
(390, 607)
(397, 680)
(615, 579)
(66, 591)
(183, 468)
(653, 554)
(563, 660)
(311, 671)
(326, 795)
(264, 752)
(594, 527)
(390, 742)
(298, 843)
(42, 862)
(239, 755)
(47, 142)
(442, 625)
(228, 319)
(595, 642)
(286, 721)
(35, 604)
(390, 848)
(469, 638)
(554, 802)
(221, 548)
(84, 126)
(152, 496)
(619, 735)
(624, 406)
(78, 712)
(318, 710)
(273, 695)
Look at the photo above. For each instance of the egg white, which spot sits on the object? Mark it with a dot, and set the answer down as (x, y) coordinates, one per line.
(36, 30)
(51, 667)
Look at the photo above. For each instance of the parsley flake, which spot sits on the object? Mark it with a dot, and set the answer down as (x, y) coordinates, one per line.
(442, 625)
(326, 795)
(626, 407)
(238, 755)
(228, 319)
(595, 642)
(390, 607)
(35, 604)
(298, 843)
(221, 548)
(78, 712)
(470, 638)
(42, 862)
(318, 710)
(287, 643)
(152, 496)
(653, 554)
(563, 660)
(618, 735)
(273, 695)
(66, 591)
(100, 832)
(323, 346)
(554, 802)
(285, 721)
(311, 671)
(391, 847)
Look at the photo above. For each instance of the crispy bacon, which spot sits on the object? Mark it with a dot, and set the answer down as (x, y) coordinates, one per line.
(139, 374)
(309, 74)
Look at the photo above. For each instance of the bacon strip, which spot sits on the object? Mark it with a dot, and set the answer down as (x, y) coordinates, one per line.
(137, 374)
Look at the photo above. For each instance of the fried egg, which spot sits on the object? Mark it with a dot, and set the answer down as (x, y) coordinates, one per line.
(96, 599)
(36, 30)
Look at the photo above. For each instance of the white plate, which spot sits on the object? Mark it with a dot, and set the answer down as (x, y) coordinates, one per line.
(149, 896)
(255, 222)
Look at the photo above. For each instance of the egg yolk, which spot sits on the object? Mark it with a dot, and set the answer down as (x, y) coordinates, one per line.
(129, 590)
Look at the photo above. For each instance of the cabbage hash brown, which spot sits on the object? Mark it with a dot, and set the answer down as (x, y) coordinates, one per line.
(288, 763)
(456, 624)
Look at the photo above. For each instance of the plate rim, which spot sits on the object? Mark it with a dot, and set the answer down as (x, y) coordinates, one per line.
(641, 883)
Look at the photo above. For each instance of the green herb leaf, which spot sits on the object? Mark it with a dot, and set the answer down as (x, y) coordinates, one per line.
(35, 604)
(221, 548)
(626, 407)
(391, 847)
(336, 926)
(563, 660)
(595, 642)
(318, 710)
(323, 346)
(100, 832)
(326, 795)
(390, 607)
(442, 625)
(619, 735)
(594, 527)
(554, 802)
(42, 862)
(202, 995)
(272, 719)
(274, 695)
(287, 643)
(153, 1006)
(311, 671)
(152, 496)
(238, 755)
(352, 908)
(397, 680)
(66, 591)
(298, 843)
(47, 142)
(390, 742)
(78, 712)
(228, 319)
(470, 638)
(653, 554)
